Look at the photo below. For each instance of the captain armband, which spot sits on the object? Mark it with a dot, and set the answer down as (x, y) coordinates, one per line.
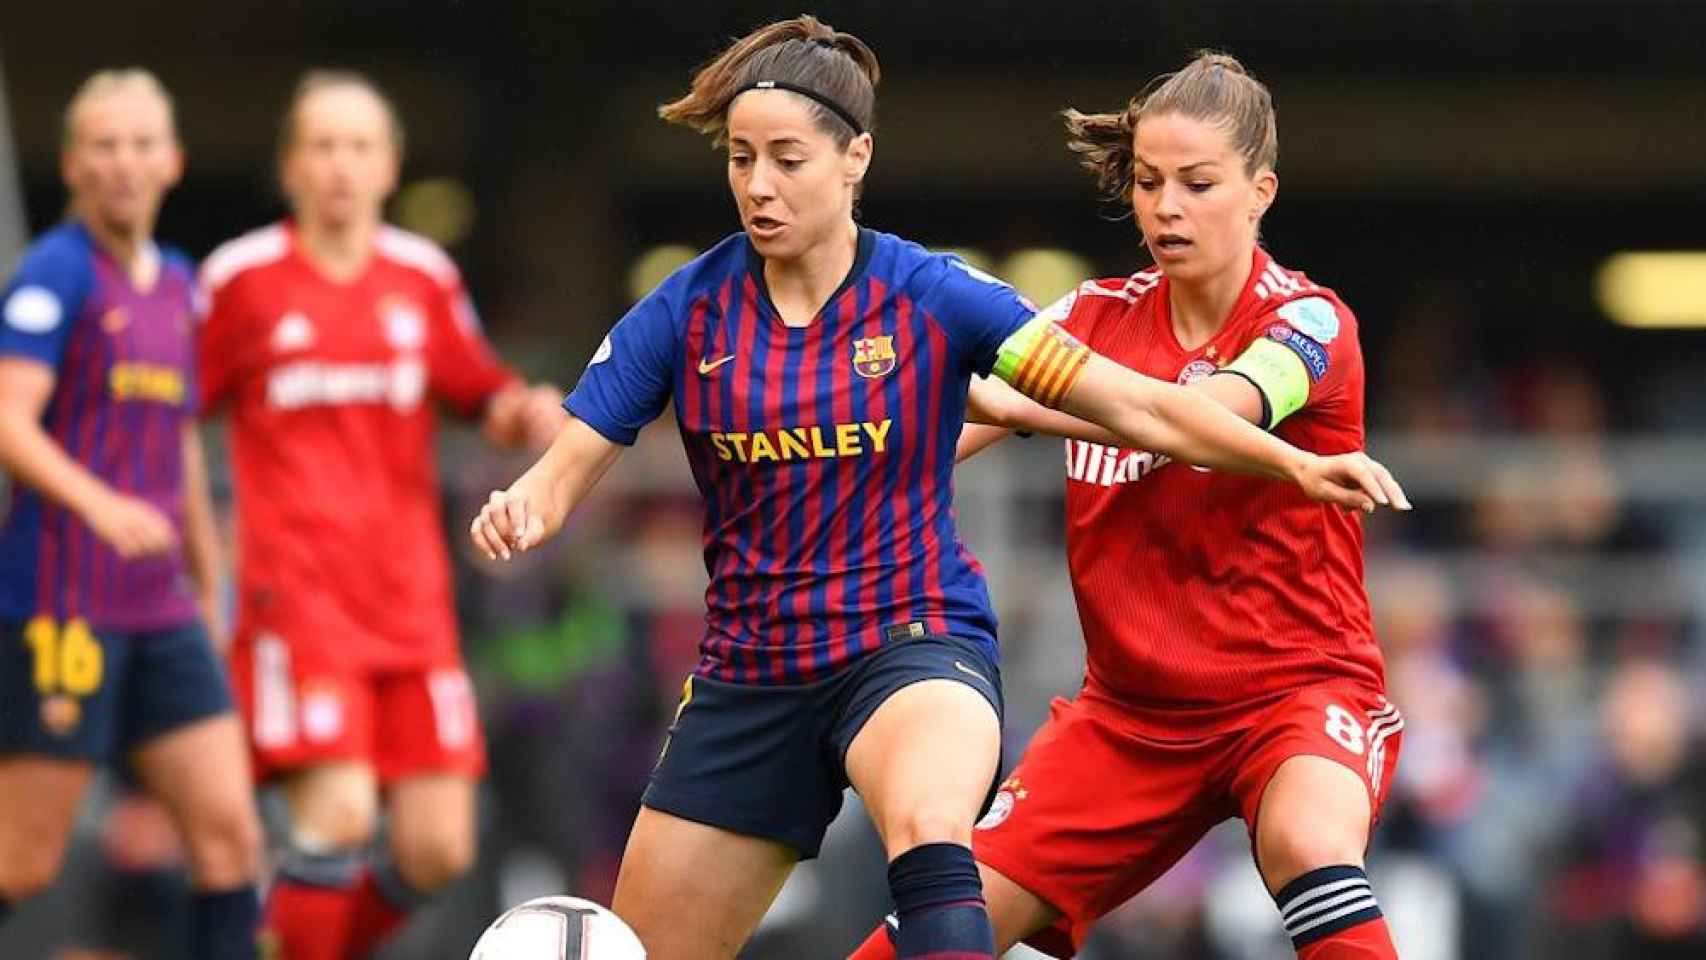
(1042, 361)
(1280, 372)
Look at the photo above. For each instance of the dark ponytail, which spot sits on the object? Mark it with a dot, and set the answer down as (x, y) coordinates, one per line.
(803, 52)
(1213, 87)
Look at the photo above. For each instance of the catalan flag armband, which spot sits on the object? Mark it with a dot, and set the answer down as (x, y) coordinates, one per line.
(1042, 361)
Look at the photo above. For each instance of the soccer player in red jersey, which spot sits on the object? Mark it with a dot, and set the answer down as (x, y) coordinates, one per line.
(327, 340)
(819, 374)
(109, 569)
(1232, 669)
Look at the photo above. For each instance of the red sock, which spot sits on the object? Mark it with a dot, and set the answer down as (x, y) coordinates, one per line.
(376, 918)
(878, 946)
(303, 921)
(1365, 941)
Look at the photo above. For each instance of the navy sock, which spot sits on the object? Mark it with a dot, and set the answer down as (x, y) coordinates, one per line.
(1322, 902)
(225, 923)
(5, 910)
(938, 897)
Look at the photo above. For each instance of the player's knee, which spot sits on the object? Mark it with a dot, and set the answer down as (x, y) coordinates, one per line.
(930, 822)
(28, 869)
(429, 862)
(1296, 846)
(224, 848)
(336, 820)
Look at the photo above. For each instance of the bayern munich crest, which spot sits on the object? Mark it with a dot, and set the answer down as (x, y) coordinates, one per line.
(1196, 370)
(1011, 792)
(874, 356)
(405, 328)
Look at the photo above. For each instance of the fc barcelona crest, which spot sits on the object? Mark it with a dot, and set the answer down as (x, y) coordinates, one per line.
(874, 356)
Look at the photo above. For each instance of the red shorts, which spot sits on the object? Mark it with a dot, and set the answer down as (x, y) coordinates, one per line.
(1094, 812)
(304, 709)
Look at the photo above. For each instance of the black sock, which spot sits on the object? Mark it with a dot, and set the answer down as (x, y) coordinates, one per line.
(225, 923)
(938, 897)
(5, 910)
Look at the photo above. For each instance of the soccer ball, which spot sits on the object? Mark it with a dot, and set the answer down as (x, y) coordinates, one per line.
(558, 928)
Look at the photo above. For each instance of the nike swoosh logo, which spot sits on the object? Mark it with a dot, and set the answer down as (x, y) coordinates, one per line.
(965, 669)
(707, 367)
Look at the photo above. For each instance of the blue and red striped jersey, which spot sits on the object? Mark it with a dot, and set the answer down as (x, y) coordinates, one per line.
(824, 453)
(123, 390)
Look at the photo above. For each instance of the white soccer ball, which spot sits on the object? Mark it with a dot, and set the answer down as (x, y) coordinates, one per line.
(558, 928)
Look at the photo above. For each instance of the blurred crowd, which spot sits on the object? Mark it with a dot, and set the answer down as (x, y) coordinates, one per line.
(1540, 613)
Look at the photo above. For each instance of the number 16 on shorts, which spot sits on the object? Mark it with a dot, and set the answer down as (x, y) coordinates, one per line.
(68, 659)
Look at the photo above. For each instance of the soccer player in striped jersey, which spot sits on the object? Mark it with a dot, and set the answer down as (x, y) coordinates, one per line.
(330, 340)
(1233, 669)
(108, 553)
(819, 372)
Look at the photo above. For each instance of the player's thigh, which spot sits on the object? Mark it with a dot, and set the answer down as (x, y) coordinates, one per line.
(693, 891)
(1314, 813)
(39, 797)
(304, 707)
(426, 723)
(1312, 779)
(332, 805)
(1089, 817)
(924, 761)
(200, 773)
(431, 825)
(61, 694)
(186, 743)
(1014, 912)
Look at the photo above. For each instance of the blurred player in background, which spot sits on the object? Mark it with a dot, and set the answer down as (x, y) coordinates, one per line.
(108, 554)
(1233, 669)
(328, 338)
(819, 374)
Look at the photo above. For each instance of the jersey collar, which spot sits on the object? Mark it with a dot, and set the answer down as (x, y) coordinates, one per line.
(867, 245)
(1241, 307)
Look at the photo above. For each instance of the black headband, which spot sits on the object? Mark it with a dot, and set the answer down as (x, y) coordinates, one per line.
(828, 103)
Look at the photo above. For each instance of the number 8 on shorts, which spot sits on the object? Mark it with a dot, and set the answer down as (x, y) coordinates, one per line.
(1342, 726)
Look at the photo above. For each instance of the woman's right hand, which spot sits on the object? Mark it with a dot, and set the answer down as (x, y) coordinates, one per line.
(131, 526)
(510, 522)
(536, 505)
(1353, 481)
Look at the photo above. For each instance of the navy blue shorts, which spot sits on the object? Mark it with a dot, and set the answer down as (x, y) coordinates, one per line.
(60, 698)
(768, 761)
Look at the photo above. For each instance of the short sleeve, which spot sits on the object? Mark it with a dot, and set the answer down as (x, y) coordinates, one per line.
(464, 369)
(978, 312)
(628, 381)
(219, 346)
(42, 300)
(1304, 355)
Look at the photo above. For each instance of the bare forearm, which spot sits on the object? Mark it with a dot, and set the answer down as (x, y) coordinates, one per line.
(977, 437)
(993, 402)
(1204, 432)
(201, 528)
(1036, 418)
(570, 468)
(538, 503)
(1147, 414)
(34, 459)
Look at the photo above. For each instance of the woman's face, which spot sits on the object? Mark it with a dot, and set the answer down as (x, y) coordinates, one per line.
(121, 158)
(1196, 204)
(793, 186)
(341, 163)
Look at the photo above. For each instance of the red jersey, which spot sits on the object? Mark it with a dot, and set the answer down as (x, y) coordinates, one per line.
(1205, 594)
(329, 387)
